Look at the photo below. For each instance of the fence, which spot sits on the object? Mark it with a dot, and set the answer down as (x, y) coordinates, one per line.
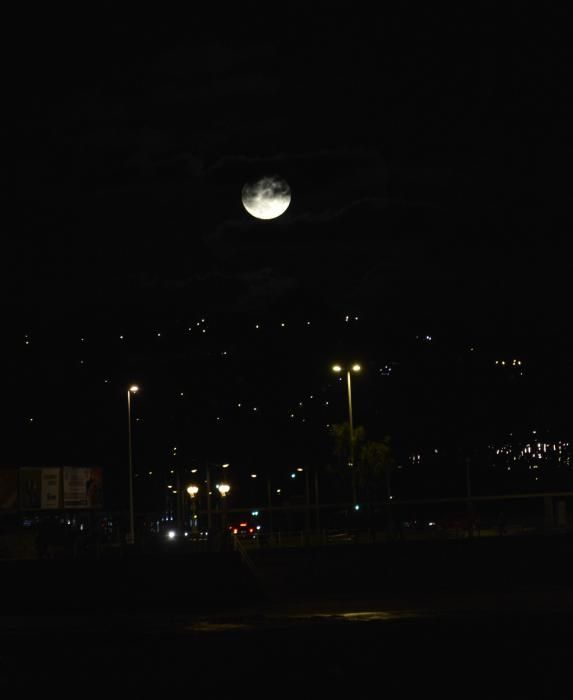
(341, 523)
(295, 526)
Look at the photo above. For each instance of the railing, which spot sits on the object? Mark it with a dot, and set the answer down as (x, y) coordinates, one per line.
(329, 524)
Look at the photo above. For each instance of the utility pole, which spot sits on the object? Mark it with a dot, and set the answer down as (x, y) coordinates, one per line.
(307, 505)
(316, 502)
(209, 514)
(179, 501)
(351, 431)
(270, 506)
(469, 506)
(387, 476)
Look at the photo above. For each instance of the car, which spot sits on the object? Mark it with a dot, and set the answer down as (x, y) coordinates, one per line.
(245, 530)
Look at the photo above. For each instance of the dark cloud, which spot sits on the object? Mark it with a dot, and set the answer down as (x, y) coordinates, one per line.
(355, 254)
(319, 182)
(420, 153)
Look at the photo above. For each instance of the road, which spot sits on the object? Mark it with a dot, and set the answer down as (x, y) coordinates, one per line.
(490, 619)
(416, 646)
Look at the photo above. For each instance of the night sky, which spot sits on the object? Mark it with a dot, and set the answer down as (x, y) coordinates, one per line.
(428, 235)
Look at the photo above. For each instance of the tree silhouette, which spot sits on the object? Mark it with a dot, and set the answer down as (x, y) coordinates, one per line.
(376, 466)
(374, 461)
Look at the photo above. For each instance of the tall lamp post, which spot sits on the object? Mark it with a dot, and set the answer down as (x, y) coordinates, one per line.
(208, 483)
(269, 503)
(306, 498)
(223, 490)
(353, 368)
(131, 536)
(193, 491)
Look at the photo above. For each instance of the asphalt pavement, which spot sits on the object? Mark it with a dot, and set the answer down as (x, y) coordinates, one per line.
(505, 637)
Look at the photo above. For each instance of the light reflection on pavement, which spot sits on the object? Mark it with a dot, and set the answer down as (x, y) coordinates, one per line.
(291, 613)
(288, 619)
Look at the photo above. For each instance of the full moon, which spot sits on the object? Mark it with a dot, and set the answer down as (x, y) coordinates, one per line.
(267, 197)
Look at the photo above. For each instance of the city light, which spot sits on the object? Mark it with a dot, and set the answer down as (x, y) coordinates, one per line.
(311, 402)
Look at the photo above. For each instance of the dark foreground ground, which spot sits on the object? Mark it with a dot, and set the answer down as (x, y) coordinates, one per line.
(456, 619)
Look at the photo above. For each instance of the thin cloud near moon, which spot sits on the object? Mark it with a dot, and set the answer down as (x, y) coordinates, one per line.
(266, 198)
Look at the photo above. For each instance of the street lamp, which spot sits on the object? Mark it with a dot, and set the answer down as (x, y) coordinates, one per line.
(300, 470)
(353, 368)
(269, 501)
(193, 491)
(131, 536)
(224, 489)
(208, 483)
